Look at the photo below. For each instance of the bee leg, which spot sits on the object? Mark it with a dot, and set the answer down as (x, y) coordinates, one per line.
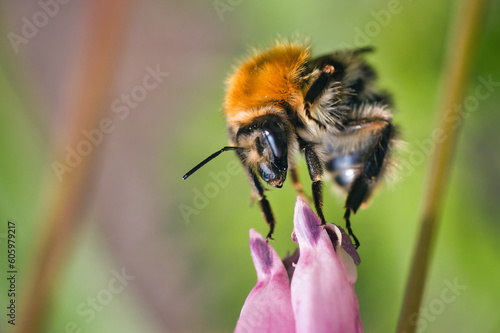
(258, 192)
(315, 172)
(264, 205)
(253, 196)
(316, 90)
(347, 215)
(363, 184)
(297, 185)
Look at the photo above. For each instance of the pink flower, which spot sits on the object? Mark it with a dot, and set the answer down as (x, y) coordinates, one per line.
(320, 297)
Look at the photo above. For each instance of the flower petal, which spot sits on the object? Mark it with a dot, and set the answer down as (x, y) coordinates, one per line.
(345, 241)
(323, 298)
(347, 254)
(268, 307)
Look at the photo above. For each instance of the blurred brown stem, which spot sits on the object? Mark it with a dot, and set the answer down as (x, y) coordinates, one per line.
(87, 102)
(462, 45)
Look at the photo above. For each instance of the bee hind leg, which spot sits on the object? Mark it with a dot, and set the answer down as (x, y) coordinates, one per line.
(366, 181)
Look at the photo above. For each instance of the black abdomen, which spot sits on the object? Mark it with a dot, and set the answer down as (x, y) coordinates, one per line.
(344, 169)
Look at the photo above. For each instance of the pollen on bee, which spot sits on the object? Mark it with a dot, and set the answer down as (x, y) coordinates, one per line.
(328, 69)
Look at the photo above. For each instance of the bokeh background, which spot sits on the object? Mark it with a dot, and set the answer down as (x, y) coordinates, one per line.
(191, 271)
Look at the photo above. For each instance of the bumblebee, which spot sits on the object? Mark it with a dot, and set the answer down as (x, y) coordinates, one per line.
(281, 101)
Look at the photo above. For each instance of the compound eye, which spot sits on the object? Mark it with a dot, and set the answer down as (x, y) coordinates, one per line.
(276, 141)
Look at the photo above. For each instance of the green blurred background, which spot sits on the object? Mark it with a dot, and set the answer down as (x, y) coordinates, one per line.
(192, 274)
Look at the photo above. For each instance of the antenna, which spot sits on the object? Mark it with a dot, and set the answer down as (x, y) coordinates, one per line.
(208, 159)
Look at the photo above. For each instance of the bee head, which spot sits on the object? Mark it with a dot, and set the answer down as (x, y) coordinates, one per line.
(266, 148)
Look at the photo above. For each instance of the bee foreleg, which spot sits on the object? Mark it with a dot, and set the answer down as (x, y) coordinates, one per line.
(264, 205)
(315, 172)
(258, 192)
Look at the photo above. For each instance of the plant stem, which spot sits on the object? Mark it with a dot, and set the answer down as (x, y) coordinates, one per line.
(462, 45)
(88, 100)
